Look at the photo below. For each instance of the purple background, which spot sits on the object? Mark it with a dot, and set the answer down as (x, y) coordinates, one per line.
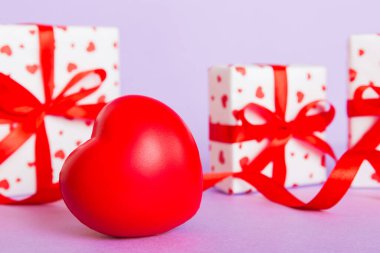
(166, 48)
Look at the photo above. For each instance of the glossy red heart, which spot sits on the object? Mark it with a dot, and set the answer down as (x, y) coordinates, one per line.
(140, 173)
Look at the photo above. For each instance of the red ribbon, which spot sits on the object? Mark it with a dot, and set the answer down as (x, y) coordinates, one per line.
(18, 105)
(302, 128)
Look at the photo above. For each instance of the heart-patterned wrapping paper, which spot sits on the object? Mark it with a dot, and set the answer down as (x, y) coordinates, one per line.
(76, 49)
(364, 71)
(234, 86)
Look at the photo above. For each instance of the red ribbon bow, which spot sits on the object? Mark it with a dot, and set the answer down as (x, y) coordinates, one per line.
(302, 128)
(18, 105)
(276, 129)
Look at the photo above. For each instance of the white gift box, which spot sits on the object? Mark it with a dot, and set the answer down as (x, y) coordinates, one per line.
(77, 49)
(231, 88)
(364, 70)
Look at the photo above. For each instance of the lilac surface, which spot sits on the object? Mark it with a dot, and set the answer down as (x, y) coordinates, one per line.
(246, 223)
(166, 49)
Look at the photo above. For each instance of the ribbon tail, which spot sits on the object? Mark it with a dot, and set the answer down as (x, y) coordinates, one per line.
(46, 191)
(211, 179)
(331, 192)
(279, 164)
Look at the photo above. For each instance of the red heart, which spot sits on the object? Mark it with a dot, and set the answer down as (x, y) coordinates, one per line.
(221, 157)
(115, 67)
(90, 47)
(361, 52)
(306, 156)
(71, 67)
(32, 32)
(32, 68)
(4, 184)
(6, 50)
(115, 45)
(352, 74)
(300, 96)
(240, 90)
(308, 76)
(241, 70)
(218, 78)
(60, 154)
(212, 98)
(259, 92)
(137, 177)
(224, 100)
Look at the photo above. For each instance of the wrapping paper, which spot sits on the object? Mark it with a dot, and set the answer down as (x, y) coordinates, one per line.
(233, 87)
(364, 71)
(76, 49)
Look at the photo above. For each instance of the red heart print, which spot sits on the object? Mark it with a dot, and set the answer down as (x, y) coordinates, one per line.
(306, 156)
(4, 184)
(102, 99)
(241, 70)
(90, 47)
(212, 98)
(78, 142)
(224, 100)
(259, 92)
(300, 96)
(218, 78)
(240, 90)
(31, 164)
(115, 45)
(324, 87)
(32, 32)
(115, 67)
(352, 74)
(60, 154)
(308, 76)
(6, 50)
(361, 52)
(71, 67)
(18, 180)
(311, 175)
(32, 68)
(221, 157)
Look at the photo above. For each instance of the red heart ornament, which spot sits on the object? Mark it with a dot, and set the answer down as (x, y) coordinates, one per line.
(140, 174)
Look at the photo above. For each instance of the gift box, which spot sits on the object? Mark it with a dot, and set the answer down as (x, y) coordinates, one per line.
(273, 140)
(53, 82)
(363, 101)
